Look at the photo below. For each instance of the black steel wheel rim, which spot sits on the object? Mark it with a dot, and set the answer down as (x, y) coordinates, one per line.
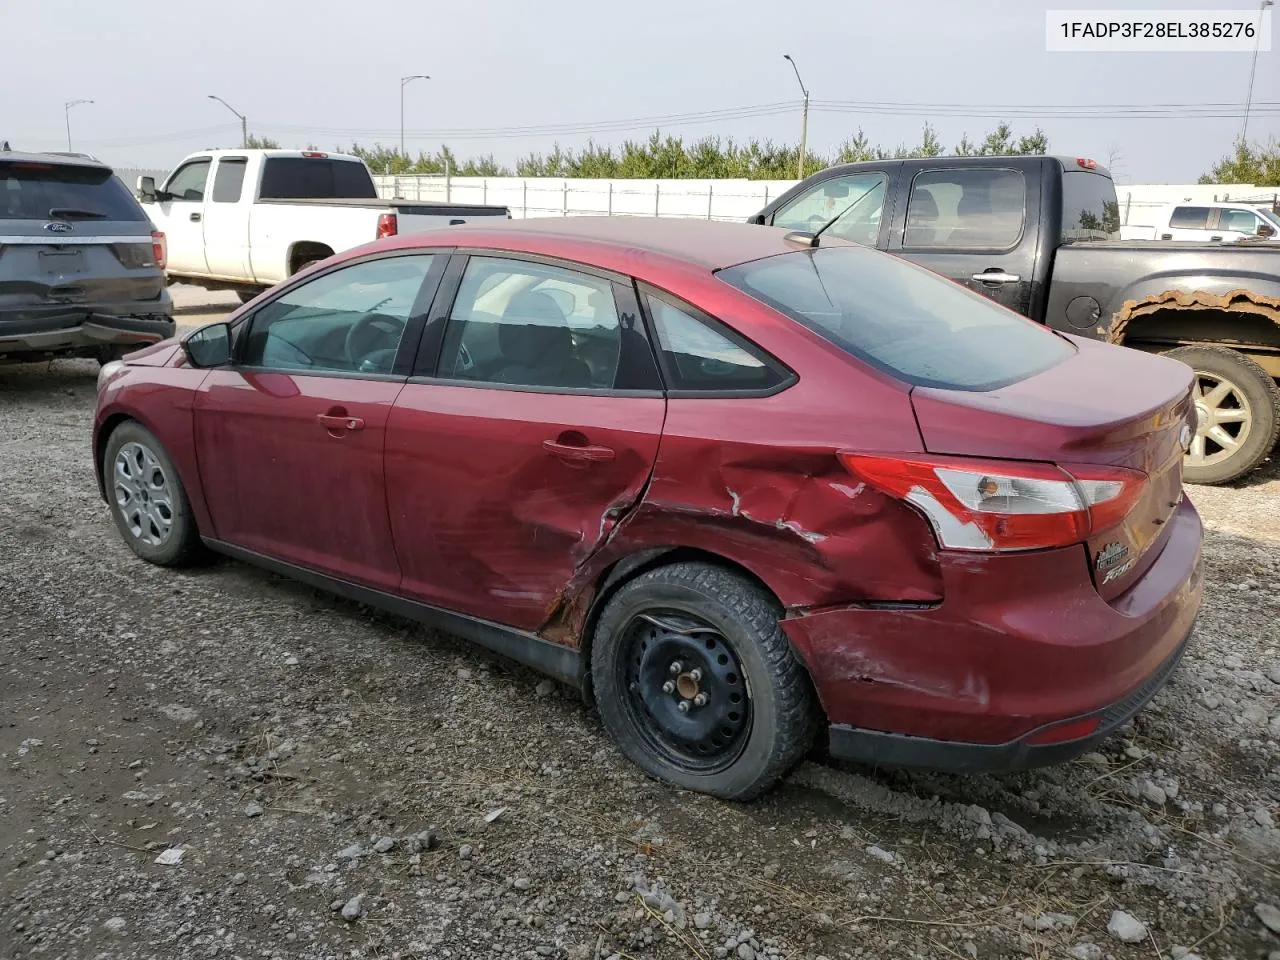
(685, 690)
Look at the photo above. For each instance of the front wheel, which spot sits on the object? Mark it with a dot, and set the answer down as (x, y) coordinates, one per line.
(148, 502)
(697, 683)
(1237, 414)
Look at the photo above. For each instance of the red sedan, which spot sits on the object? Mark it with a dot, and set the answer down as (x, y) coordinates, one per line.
(732, 486)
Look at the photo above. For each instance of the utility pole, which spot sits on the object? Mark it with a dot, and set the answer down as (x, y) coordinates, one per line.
(804, 119)
(1248, 99)
(66, 109)
(404, 82)
(244, 124)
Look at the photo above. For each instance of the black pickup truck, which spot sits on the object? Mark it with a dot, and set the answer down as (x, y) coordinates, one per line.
(1040, 235)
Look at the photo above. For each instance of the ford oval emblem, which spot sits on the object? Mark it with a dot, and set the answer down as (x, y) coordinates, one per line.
(58, 226)
(1184, 437)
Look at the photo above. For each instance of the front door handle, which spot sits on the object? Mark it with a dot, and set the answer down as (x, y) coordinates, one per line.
(334, 422)
(584, 454)
(996, 276)
(195, 218)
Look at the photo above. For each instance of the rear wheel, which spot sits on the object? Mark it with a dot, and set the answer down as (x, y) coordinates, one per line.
(697, 683)
(1237, 414)
(148, 502)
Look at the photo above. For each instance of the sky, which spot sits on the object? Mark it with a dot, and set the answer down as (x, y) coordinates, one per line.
(328, 72)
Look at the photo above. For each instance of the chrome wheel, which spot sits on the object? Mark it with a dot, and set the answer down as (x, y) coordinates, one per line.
(688, 695)
(1223, 420)
(142, 494)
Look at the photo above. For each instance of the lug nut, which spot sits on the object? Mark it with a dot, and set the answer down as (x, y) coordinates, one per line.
(700, 700)
(676, 666)
(695, 674)
(668, 687)
(683, 706)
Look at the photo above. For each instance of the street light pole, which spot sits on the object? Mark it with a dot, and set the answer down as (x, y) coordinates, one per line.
(66, 109)
(1248, 99)
(804, 120)
(404, 82)
(244, 124)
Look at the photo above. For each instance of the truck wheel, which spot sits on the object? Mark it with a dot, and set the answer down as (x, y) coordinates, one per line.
(697, 684)
(1237, 414)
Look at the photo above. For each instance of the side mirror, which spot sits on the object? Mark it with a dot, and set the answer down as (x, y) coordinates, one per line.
(1266, 230)
(209, 346)
(147, 189)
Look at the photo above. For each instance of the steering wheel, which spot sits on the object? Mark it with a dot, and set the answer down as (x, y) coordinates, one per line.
(371, 332)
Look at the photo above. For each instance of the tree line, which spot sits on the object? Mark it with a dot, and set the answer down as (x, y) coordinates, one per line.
(671, 157)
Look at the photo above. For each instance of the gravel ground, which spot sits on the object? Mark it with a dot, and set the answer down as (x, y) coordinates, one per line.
(221, 763)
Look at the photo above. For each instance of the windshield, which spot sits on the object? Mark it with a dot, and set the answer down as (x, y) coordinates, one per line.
(901, 318)
(55, 191)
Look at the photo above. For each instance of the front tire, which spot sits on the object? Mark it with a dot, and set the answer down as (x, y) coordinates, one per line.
(1237, 414)
(696, 682)
(149, 505)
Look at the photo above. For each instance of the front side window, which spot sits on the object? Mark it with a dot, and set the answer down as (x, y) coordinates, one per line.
(531, 324)
(350, 320)
(1241, 221)
(697, 357)
(973, 208)
(188, 181)
(1190, 218)
(913, 324)
(857, 200)
(229, 179)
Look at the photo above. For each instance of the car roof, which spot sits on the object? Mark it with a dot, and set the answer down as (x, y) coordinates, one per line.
(617, 242)
(52, 159)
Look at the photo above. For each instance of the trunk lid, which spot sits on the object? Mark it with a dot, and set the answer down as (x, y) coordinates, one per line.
(1105, 405)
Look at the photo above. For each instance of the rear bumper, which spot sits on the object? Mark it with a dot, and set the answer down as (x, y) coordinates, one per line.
(81, 329)
(1021, 643)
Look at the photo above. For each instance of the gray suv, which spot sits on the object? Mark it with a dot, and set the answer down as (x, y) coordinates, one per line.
(81, 267)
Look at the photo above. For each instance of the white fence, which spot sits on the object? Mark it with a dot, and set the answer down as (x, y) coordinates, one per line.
(723, 199)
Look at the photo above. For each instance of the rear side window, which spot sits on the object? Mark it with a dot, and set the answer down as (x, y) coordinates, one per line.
(315, 178)
(1089, 207)
(37, 191)
(974, 208)
(698, 357)
(229, 179)
(1190, 218)
(914, 325)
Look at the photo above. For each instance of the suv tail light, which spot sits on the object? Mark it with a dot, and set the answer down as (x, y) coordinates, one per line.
(997, 505)
(387, 225)
(159, 249)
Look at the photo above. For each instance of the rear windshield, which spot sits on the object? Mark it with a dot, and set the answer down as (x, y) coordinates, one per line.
(1089, 207)
(901, 318)
(38, 191)
(315, 178)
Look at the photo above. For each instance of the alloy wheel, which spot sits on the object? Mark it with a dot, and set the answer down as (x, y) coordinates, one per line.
(1223, 419)
(142, 494)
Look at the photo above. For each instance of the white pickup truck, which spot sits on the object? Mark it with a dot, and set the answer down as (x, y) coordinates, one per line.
(1208, 222)
(243, 220)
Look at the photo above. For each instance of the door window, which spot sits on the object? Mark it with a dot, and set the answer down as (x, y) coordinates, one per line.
(1242, 221)
(1190, 218)
(350, 320)
(188, 181)
(975, 208)
(229, 179)
(534, 325)
(857, 200)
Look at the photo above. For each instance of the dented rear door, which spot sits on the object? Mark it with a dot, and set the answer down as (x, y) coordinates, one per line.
(505, 470)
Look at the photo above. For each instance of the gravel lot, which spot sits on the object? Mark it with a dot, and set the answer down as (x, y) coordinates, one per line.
(221, 763)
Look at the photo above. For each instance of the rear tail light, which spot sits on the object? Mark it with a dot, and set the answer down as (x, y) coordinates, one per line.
(1084, 163)
(997, 505)
(314, 154)
(387, 225)
(159, 249)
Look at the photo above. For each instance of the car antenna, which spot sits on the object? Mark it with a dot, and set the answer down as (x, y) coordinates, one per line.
(811, 239)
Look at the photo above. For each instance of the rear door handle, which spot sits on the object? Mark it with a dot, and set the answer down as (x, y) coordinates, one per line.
(195, 218)
(333, 422)
(587, 454)
(996, 276)
(1215, 238)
